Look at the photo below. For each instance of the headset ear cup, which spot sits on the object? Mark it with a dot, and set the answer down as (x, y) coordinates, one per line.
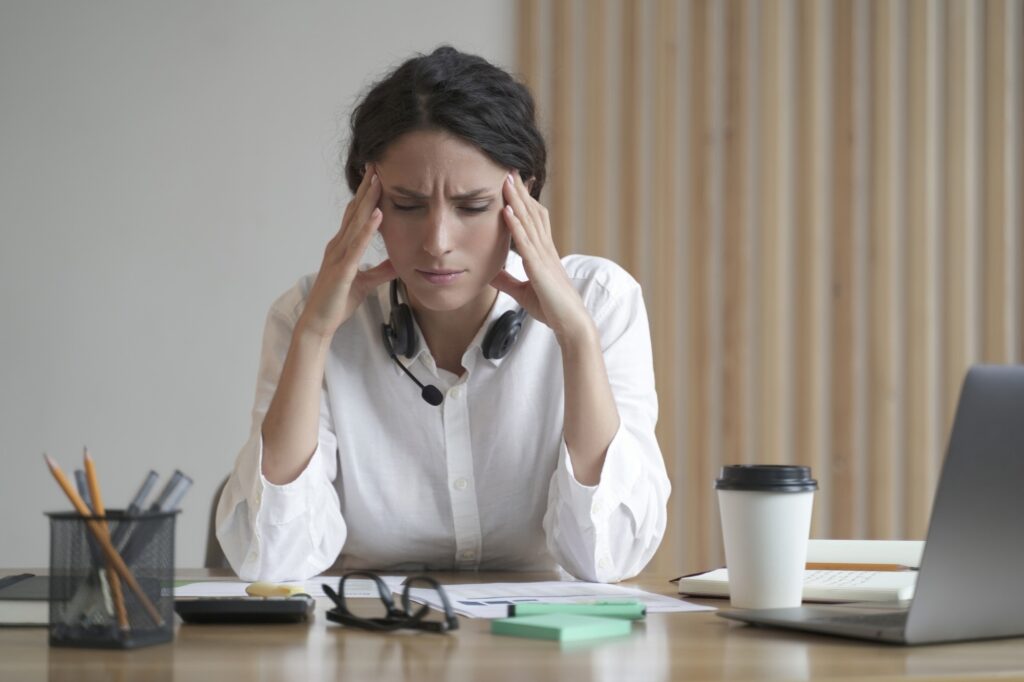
(403, 330)
(503, 334)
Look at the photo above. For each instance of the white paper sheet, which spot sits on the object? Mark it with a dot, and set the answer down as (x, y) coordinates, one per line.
(354, 588)
(491, 600)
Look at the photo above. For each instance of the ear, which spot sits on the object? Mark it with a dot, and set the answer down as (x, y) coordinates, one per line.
(529, 184)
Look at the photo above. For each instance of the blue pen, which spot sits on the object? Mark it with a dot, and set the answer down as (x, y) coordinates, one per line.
(134, 507)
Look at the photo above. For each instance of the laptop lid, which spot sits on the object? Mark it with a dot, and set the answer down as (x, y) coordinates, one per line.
(970, 584)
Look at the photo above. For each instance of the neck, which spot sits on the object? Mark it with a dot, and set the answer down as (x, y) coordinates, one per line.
(448, 333)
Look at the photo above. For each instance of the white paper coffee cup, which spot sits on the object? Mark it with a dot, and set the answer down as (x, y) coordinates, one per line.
(766, 522)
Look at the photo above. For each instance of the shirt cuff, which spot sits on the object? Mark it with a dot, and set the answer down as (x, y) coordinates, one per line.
(619, 476)
(281, 504)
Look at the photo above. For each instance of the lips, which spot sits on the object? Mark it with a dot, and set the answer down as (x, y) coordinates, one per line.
(440, 276)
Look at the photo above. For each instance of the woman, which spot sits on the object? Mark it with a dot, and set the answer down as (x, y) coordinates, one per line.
(532, 446)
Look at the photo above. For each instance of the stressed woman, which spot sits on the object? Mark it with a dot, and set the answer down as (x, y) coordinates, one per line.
(527, 440)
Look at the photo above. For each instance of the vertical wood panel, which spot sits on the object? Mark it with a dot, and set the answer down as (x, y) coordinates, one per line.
(562, 102)
(995, 347)
(774, 385)
(736, 254)
(919, 277)
(955, 291)
(1014, 142)
(629, 136)
(698, 428)
(821, 85)
(528, 43)
(664, 217)
(804, 246)
(884, 250)
(843, 481)
(842, 236)
(596, 139)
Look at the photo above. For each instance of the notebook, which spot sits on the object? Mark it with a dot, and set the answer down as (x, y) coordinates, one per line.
(969, 585)
(23, 600)
(820, 586)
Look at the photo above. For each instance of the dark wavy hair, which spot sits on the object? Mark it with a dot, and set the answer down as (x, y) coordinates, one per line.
(457, 93)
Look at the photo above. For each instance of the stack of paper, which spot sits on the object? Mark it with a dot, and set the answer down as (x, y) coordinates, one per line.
(491, 600)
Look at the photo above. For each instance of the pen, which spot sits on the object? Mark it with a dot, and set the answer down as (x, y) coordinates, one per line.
(83, 487)
(134, 507)
(177, 492)
(168, 501)
(627, 609)
(161, 500)
(813, 566)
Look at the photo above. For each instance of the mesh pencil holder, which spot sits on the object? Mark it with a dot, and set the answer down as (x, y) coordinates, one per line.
(96, 603)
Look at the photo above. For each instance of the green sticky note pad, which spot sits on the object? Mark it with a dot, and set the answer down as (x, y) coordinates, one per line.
(562, 627)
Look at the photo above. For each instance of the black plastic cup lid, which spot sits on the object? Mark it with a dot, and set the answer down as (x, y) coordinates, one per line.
(777, 478)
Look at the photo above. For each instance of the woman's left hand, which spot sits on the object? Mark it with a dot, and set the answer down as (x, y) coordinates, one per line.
(548, 295)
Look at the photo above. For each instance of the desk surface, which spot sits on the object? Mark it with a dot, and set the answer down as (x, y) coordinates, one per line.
(686, 646)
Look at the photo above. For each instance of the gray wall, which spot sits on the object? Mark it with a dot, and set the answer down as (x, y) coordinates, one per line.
(166, 170)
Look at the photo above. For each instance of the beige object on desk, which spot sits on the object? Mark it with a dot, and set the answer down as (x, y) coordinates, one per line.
(693, 646)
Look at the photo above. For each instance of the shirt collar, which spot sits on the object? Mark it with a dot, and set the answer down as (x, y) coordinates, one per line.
(502, 304)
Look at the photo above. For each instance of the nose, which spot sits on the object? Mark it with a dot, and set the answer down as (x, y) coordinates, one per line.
(437, 240)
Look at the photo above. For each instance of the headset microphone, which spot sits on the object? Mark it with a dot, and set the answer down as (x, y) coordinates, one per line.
(430, 393)
(400, 337)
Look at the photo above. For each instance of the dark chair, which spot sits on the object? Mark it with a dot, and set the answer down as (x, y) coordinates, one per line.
(214, 554)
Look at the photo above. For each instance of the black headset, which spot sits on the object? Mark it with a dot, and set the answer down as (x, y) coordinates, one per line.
(400, 338)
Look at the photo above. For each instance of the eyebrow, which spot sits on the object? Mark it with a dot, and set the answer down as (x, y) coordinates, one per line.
(473, 194)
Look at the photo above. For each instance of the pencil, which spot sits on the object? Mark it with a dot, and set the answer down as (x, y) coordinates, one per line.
(828, 566)
(104, 542)
(99, 510)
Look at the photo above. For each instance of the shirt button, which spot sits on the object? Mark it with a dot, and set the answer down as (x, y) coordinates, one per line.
(461, 484)
(596, 508)
(468, 555)
(455, 392)
(602, 564)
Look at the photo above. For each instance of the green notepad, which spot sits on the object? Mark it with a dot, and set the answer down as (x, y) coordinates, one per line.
(562, 627)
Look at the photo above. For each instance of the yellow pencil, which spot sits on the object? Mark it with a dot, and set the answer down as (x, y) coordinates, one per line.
(104, 542)
(99, 510)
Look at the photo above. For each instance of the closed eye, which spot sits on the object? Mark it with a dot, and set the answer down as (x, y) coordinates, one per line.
(414, 207)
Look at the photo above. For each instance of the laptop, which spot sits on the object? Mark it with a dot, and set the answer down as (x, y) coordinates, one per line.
(970, 584)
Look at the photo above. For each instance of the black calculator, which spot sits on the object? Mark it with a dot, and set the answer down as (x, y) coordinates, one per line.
(246, 610)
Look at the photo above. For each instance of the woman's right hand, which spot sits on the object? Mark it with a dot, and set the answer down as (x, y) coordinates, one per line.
(340, 286)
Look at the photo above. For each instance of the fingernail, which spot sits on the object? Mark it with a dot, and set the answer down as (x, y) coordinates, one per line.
(373, 179)
(511, 181)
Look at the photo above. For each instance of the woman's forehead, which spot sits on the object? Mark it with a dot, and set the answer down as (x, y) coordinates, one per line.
(421, 160)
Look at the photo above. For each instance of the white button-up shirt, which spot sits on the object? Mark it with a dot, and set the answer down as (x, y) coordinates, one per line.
(483, 481)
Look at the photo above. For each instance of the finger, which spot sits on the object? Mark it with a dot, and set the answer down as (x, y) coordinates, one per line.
(360, 237)
(508, 284)
(377, 275)
(514, 201)
(532, 206)
(364, 184)
(364, 209)
(524, 243)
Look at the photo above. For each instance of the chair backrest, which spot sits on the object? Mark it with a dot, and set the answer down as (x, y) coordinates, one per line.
(214, 554)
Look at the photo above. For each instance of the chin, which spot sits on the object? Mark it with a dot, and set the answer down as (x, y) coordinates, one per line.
(443, 299)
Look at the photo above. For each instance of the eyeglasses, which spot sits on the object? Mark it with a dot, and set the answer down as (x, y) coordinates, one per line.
(393, 618)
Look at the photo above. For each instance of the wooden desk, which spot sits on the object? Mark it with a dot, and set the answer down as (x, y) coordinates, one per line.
(688, 646)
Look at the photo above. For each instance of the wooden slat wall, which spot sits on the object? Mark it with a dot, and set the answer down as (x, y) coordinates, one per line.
(823, 202)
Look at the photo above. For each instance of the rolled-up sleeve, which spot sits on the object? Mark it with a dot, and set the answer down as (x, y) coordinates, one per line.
(281, 532)
(610, 531)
